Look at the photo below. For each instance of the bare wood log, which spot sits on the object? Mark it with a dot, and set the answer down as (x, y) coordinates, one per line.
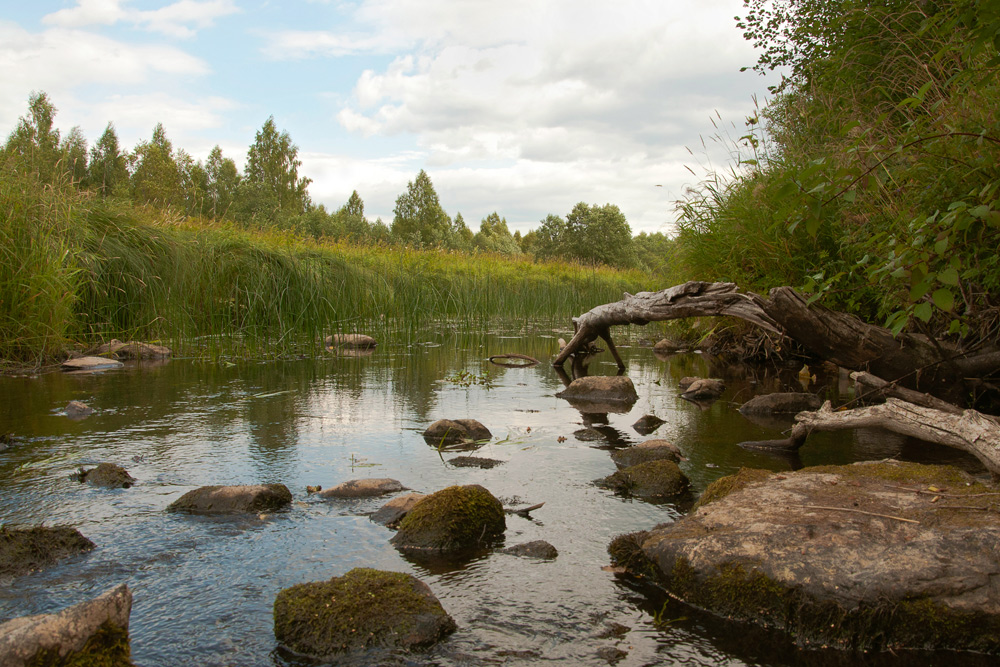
(970, 431)
(888, 389)
(843, 339)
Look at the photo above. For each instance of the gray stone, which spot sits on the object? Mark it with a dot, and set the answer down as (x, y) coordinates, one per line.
(108, 475)
(133, 350)
(647, 424)
(846, 556)
(601, 389)
(650, 450)
(475, 462)
(62, 637)
(534, 549)
(24, 550)
(78, 410)
(362, 488)
(654, 479)
(252, 498)
(704, 389)
(390, 514)
(781, 403)
(363, 609)
(448, 432)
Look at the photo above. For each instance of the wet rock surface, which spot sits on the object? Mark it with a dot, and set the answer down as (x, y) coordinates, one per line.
(703, 389)
(358, 341)
(787, 403)
(647, 424)
(109, 475)
(362, 488)
(390, 514)
(654, 479)
(361, 610)
(90, 364)
(644, 452)
(454, 519)
(78, 410)
(600, 389)
(24, 550)
(94, 632)
(234, 499)
(475, 462)
(866, 556)
(533, 549)
(450, 432)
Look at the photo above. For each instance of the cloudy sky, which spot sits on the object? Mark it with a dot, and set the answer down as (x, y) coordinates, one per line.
(524, 107)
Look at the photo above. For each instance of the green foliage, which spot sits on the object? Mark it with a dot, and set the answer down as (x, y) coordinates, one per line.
(156, 177)
(108, 168)
(418, 218)
(873, 182)
(589, 235)
(493, 236)
(33, 146)
(271, 186)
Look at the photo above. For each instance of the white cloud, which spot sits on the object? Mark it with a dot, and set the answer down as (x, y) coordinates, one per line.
(175, 19)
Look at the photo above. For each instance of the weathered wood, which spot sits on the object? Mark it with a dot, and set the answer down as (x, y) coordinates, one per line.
(910, 359)
(970, 431)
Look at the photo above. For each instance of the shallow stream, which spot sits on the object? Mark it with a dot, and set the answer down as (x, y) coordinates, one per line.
(204, 587)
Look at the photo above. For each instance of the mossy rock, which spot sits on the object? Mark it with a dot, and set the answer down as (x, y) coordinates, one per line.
(871, 556)
(651, 450)
(109, 475)
(453, 519)
(361, 610)
(451, 432)
(24, 550)
(723, 486)
(654, 479)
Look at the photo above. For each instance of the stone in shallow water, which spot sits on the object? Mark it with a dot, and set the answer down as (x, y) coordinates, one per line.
(780, 403)
(363, 488)
(453, 519)
(534, 549)
(251, 498)
(90, 364)
(845, 556)
(363, 609)
(390, 514)
(456, 431)
(650, 450)
(24, 550)
(654, 479)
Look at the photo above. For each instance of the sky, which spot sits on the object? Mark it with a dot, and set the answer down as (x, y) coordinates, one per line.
(523, 107)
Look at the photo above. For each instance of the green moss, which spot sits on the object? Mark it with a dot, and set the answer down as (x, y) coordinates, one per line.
(724, 486)
(364, 608)
(910, 474)
(453, 519)
(653, 479)
(733, 591)
(626, 552)
(922, 623)
(108, 647)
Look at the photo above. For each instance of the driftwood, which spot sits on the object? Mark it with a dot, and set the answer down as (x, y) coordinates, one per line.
(969, 431)
(843, 339)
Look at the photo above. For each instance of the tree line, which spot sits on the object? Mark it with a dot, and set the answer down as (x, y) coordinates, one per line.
(271, 193)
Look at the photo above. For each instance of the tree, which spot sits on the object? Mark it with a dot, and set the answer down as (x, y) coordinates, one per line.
(271, 178)
(599, 235)
(494, 236)
(462, 237)
(418, 218)
(34, 143)
(653, 251)
(73, 155)
(223, 180)
(549, 240)
(108, 168)
(156, 177)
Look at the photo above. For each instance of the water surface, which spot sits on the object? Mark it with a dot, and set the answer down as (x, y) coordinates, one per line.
(204, 586)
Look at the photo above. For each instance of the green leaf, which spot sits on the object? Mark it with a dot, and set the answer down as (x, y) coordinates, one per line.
(924, 311)
(943, 299)
(949, 276)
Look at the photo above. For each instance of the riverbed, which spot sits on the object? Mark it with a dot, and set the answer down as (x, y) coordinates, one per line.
(204, 586)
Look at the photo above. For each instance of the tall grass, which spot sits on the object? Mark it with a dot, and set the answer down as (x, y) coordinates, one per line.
(80, 270)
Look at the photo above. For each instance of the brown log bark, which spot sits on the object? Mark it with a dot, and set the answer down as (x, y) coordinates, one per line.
(912, 360)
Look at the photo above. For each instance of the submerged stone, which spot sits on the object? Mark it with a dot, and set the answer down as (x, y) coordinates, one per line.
(453, 519)
(647, 424)
(360, 341)
(361, 610)
(390, 514)
(24, 550)
(644, 452)
(653, 479)
(94, 632)
(601, 389)
(133, 350)
(534, 549)
(781, 403)
(867, 556)
(448, 432)
(109, 475)
(363, 488)
(78, 410)
(251, 498)
(704, 389)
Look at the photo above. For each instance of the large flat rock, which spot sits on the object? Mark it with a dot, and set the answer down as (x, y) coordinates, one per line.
(866, 556)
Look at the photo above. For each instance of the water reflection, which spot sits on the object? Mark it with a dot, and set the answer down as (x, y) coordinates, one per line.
(204, 588)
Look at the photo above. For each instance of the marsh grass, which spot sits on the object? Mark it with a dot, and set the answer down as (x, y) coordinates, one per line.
(78, 270)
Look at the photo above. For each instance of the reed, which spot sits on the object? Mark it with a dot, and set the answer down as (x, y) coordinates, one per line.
(75, 269)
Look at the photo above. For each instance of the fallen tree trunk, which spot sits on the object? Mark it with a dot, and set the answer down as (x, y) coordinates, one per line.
(912, 360)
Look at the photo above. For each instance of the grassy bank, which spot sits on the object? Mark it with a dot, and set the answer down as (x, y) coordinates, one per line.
(76, 270)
